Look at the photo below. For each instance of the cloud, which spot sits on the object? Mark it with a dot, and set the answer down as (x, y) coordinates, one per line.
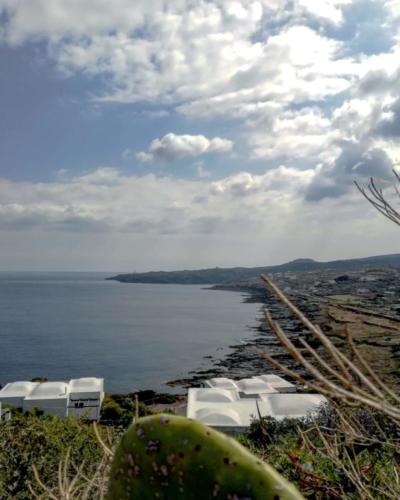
(107, 220)
(394, 7)
(278, 182)
(389, 127)
(366, 128)
(302, 82)
(353, 163)
(296, 65)
(331, 10)
(380, 81)
(190, 55)
(144, 157)
(291, 134)
(104, 200)
(172, 147)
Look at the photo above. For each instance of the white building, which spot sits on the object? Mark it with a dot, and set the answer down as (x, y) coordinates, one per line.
(255, 385)
(231, 406)
(278, 383)
(14, 393)
(85, 397)
(79, 397)
(50, 397)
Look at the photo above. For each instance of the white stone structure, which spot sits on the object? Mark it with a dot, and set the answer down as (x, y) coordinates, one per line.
(255, 385)
(50, 397)
(85, 398)
(231, 406)
(80, 398)
(14, 393)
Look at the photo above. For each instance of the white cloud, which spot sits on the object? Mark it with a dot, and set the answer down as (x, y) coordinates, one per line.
(306, 133)
(172, 147)
(394, 6)
(280, 182)
(183, 54)
(106, 220)
(105, 200)
(296, 65)
(330, 10)
(144, 157)
(240, 58)
(59, 19)
(300, 93)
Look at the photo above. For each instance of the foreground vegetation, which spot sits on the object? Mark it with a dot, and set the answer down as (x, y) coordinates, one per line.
(326, 457)
(30, 443)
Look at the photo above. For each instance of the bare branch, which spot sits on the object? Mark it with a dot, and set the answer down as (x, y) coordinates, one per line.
(376, 197)
(375, 395)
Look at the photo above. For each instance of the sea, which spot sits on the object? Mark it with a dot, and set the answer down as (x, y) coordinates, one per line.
(135, 336)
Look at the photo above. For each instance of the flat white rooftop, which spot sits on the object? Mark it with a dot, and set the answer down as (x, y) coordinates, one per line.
(86, 384)
(24, 393)
(221, 383)
(232, 405)
(81, 398)
(238, 413)
(19, 389)
(214, 395)
(254, 385)
(263, 384)
(49, 390)
(278, 383)
(281, 406)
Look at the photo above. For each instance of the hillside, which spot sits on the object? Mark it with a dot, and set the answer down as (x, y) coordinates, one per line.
(220, 276)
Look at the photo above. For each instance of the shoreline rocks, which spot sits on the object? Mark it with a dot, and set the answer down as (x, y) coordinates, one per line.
(372, 289)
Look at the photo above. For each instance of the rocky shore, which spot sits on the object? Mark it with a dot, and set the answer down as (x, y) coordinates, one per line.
(339, 303)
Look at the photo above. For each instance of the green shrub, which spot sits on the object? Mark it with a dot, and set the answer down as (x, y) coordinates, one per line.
(119, 410)
(320, 470)
(29, 440)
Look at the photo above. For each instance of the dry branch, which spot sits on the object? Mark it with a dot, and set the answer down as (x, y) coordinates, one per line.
(376, 197)
(333, 374)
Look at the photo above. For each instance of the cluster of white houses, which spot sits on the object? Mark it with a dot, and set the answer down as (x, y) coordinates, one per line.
(231, 406)
(80, 397)
(223, 403)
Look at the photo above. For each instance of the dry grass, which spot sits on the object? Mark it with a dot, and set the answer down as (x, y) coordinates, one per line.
(347, 384)
(73, 483)
(333, 374)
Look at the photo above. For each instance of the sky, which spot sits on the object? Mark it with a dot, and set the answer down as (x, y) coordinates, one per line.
(171, 134)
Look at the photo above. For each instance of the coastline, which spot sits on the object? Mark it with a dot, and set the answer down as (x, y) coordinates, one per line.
(319, 290)
(243, 361)
(363, 304)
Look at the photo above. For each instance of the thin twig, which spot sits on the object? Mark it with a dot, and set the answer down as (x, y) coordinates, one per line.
(347, 391)
(307, 323)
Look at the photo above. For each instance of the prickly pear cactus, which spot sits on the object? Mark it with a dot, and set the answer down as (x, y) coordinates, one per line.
(172, 458)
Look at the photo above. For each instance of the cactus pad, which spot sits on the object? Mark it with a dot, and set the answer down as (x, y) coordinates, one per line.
(172, 458)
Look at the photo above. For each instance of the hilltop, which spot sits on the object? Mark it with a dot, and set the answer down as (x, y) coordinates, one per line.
(222, 276)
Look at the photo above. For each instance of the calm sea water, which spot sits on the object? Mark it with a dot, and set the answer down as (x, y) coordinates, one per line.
(67, 325)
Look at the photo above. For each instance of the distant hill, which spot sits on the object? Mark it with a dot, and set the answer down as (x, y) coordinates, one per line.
(221, 276)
